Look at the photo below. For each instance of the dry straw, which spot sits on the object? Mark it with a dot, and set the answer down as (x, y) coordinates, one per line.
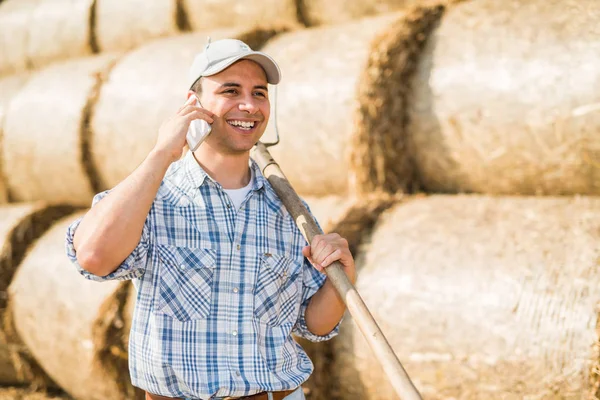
(481, 297)
(144, 89)
(46, 154)
(60, 317)
(211, 14)
(325, 12)
(321, 69)
(20, 226)
(378, 153)
(9, 86)
(59, 29)
(15, 19)
(505, 99)
(122, 25)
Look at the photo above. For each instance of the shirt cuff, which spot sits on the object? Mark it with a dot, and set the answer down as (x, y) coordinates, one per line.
(301, 329)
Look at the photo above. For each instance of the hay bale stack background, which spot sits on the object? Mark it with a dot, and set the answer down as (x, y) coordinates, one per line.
(317, 106)
(45, 148)
(59, 29)
(213, 14)
(9, 86)
(145, 88)
(506, 99)
(324, 12)
(15, 18)
(59, 316)
(20, 226)
(480, 297)
(122, 25)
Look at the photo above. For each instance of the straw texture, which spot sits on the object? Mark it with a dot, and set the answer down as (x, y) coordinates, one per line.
(56, 313)
(480, 297)
(20, 226)
(9, 86)
(316, 99)
(325, 12)
(122, 25)
(214, 14)
(144, 89)
(59, 29)
(15, 19)
(379, 154)
(45, 156)
(496, 106)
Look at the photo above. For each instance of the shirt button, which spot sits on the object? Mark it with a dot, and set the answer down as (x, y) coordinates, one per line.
(182, 267)
(238, 247)
(235, 290)
(228, 205)
(234, 333)
(238, 373)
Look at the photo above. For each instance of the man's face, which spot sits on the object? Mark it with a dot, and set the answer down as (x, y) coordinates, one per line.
(238, 96)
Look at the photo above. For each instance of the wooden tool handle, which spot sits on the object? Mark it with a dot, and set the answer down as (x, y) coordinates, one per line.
(356, 306)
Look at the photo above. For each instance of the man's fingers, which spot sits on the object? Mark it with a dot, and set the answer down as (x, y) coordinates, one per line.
(200, 114)
(335, 256)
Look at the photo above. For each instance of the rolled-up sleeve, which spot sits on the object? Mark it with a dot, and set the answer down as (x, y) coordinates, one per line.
(132, 267)
(313, 280)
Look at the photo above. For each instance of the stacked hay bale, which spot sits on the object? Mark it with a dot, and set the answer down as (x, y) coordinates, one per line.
(211, 14)
(68, 323)
(481, 297)
(326, 71)
(46, 157)
(20, 226)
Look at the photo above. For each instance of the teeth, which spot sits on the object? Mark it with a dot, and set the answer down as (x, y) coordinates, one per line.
(242, 124)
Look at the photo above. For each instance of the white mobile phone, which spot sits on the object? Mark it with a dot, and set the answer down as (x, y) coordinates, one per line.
(198, 131)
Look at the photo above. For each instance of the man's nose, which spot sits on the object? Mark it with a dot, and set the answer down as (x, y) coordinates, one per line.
(249, 104)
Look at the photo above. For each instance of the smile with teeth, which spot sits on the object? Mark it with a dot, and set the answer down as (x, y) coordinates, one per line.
(244, 125)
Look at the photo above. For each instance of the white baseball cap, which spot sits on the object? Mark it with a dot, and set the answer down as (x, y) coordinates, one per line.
(221, 54)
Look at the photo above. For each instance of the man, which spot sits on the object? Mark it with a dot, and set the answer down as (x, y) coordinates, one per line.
(219, 266)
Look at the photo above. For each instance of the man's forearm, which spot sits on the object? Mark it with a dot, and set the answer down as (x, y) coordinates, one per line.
(325, 310)
(111, 230)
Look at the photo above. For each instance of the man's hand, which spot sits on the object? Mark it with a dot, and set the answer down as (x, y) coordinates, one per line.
(325, 249)
(171, 135)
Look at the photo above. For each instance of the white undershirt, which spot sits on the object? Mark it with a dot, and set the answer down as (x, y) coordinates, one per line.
(237, 196)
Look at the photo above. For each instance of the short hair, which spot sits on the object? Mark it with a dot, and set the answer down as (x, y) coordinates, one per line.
(197, 86)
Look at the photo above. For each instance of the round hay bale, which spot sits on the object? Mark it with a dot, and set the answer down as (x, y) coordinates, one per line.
(64, 319)
(496, 106)
(59, 29)
(15, 20)
(214, 14)
(145, 88)
(121, 26)
(45, 150)
(325, 12)
(20, 226)
(9, 86)
(316, 105)
(480, 297)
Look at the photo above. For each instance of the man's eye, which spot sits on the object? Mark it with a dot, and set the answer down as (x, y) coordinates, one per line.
(230, 91)
(260, 94)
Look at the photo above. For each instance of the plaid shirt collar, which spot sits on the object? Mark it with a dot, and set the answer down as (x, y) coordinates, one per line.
(196, 176)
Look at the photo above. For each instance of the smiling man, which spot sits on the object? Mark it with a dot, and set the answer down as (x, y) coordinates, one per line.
(221, 271)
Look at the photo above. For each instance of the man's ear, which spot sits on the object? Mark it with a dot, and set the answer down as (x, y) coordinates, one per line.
(190, 93)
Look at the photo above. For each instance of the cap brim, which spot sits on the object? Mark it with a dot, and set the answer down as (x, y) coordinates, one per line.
(266, 62)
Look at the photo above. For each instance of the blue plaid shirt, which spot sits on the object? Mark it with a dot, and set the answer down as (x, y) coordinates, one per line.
(219, 290)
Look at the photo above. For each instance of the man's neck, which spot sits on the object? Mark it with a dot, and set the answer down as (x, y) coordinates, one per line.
(231, 170)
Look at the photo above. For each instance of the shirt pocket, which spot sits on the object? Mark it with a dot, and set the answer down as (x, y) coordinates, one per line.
(277, 291)
(185, 282)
